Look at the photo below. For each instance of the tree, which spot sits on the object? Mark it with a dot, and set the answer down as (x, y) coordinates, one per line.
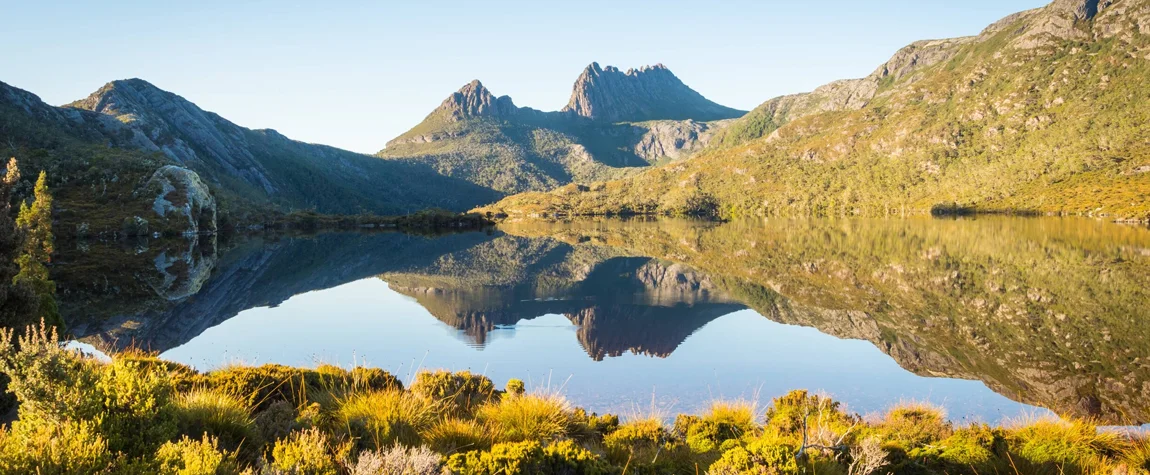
(35, 221)
(17, 301)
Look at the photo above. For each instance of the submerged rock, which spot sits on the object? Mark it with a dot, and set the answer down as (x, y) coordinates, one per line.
(182, 201)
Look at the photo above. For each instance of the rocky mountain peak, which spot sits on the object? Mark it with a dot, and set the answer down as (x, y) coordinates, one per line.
(475, 100)
(647, 93)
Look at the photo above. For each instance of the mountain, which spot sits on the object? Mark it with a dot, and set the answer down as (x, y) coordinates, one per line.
(618, 124)
(1042, 112)
(264, 167)
(647, 93)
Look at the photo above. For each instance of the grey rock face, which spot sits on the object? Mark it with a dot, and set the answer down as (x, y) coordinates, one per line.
(169, 123)
(647, 93)
(181, 201)
(474, 100)
(675, 140)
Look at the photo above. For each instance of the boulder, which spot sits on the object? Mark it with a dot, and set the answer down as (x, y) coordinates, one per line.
(182, 202)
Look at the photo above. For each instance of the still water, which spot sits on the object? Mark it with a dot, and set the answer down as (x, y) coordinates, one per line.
(991, 318)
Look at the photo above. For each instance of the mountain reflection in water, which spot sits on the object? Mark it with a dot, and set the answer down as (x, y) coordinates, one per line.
(1049, 312)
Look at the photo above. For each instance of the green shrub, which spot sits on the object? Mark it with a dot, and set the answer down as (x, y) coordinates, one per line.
(762, 455)
(195, 457)
(647, 446)
(914, 425)
(263, 385)
(137, 415)
(516, 387)
(65, 448)
(593, 427)
(220, 415)
(460, 393)
(306, 452)
(788, 414)
(539, 417)
(972, 447)
(51, 383)
(381, 418)
(528, 457)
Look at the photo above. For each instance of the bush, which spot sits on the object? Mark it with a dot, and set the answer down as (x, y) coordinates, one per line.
(305, 452)
(382, 418)
(762, 455)
(647, 446)
(219, 415)
(61, 448)
(51, 383)
(914, 425)
(277, 421)
(528, 457)
(194, 457)
(516, 387)
(972, 447)
(137, 414)
(263, 385)
(398, 460)
(539, 417)
(460, 393)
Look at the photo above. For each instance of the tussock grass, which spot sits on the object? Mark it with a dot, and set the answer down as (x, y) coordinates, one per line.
(226, 418)
(539, 416)
(382, 418)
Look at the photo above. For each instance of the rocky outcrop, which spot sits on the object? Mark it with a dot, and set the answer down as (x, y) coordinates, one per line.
(166, 122)
(675, 140)
(474, 100)
(842, 95)
(182, 202)
(647, 93)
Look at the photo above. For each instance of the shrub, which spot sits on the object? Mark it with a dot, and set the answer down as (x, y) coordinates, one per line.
(762, 455)
(263, 385)
(458, 435)
(182, 377)
(723, 421)
(539, 417)
(398, 460)
(220, 415)
(51, 383)
(73, 447)
(194, 457)
(645, 445)
(277, 421)
(528, 457)
(137, 414)
(969, 447)
(593, 427)
(460, 393)
(305, 452)
(913, 425)
(516, 387)
(382, 418)
(822, 417)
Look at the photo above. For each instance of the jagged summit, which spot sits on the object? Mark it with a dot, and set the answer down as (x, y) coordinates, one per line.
(647, 93)
(475, 100)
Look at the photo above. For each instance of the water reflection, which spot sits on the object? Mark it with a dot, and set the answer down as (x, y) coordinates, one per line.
(1042, 311)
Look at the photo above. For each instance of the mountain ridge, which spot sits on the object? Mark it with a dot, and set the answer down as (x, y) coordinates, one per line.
(1037, 114)
(487, 140)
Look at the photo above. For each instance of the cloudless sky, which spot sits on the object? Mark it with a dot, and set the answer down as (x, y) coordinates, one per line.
(356, 74)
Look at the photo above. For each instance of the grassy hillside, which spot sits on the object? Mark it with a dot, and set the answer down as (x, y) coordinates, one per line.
(1043, 113)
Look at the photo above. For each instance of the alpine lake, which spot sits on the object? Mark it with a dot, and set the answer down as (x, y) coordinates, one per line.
(992, 318)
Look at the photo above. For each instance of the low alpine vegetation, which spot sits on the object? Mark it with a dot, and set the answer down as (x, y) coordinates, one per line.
(139, 414)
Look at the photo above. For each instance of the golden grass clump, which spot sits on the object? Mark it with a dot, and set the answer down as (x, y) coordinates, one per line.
(218, 414)
(539, 416)
(382, 418)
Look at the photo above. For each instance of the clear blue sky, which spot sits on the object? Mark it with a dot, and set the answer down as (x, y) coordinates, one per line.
(356, 74)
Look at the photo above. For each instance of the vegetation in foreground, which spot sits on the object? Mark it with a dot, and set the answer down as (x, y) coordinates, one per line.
(138, 414)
